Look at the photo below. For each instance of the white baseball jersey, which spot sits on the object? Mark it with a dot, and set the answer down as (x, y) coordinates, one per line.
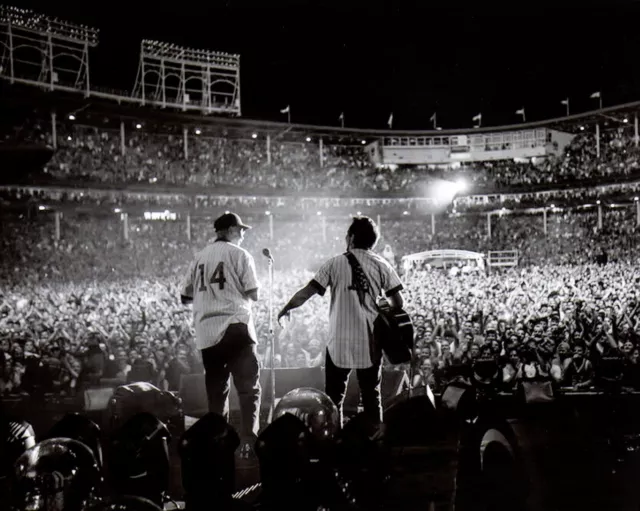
(218, 280)
(350, 323)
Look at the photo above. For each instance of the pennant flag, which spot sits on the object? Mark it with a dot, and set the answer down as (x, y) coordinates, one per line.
(390, 121)
(433, 117)
(478, 117)
(565, 101)
(341, 118)
(595, 95)
(520, 112)
(285, 110)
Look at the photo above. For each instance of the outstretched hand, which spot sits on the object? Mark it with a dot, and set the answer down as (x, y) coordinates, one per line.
(283, 313)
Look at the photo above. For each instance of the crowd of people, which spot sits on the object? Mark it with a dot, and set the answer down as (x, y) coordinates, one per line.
(92, 154)
(156, 156)
(553, 323)
(93, 308)
(92, 298)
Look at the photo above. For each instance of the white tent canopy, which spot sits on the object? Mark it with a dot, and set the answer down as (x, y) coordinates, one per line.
(443, 256)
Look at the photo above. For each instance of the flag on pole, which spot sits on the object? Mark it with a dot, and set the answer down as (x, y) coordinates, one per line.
(521, 112)
(390, 121)
(595, 95)
(565, 102)
(341, 116)
(433, 117)
(478, 117)
(285, 110)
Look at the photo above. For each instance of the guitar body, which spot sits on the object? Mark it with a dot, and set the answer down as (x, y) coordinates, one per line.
(393, 332)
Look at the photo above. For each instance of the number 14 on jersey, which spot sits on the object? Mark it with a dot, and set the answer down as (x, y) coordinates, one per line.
(216, 278)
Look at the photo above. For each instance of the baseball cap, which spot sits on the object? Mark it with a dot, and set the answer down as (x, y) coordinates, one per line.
(229, 220)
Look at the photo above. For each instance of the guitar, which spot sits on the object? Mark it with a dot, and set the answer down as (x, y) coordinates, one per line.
(393, 330)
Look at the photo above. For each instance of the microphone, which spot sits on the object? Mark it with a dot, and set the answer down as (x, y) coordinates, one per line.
(267, 253)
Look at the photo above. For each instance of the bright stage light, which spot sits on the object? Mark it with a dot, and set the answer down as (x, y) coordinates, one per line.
(461, 185)
(82, 429)
(443, 191)
(285, 463)
(69, 463)
(139, 458)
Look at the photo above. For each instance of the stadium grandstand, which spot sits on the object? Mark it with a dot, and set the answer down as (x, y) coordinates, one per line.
(517, 244)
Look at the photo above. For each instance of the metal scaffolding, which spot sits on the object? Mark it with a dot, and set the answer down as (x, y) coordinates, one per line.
(44, 51)
(173, 76)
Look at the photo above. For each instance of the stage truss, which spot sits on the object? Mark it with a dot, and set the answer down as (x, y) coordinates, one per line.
(177, 77)
(44, 51)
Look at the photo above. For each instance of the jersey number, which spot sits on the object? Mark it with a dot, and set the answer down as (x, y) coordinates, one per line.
(216, 278)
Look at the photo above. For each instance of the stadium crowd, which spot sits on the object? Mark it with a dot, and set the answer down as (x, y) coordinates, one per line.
(93, 308)
(155, 155)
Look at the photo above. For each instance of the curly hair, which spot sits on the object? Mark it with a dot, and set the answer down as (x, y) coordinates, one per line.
(364, 231)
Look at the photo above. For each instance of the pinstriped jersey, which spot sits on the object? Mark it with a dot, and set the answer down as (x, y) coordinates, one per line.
(218, 280)
(350, 323)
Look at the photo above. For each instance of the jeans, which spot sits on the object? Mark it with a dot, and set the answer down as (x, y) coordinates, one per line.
(369, 380)
(234, 355)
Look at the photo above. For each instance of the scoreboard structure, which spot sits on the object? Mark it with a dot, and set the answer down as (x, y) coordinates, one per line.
(53, 54)
(48, 52)
(187, 79)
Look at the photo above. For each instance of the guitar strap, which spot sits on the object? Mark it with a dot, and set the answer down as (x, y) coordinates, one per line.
(362, 285)
(361, 282)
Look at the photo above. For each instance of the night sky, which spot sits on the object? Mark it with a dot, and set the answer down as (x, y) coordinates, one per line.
(370, 58)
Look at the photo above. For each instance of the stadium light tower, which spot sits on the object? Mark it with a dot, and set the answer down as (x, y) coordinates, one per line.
(174, 76)
(43, 51)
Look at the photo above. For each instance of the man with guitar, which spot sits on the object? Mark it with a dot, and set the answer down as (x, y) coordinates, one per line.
(357, 278)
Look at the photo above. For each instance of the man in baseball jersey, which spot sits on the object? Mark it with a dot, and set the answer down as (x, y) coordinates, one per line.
(221, 283)
(351, 316)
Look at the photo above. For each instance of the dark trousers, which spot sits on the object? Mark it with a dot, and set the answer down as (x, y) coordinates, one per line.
(369, 380)
(234, 355)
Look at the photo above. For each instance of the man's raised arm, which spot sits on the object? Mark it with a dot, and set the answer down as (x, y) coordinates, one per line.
(300, 298)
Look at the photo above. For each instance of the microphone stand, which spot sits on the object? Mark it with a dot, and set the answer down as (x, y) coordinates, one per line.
(272, 344)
